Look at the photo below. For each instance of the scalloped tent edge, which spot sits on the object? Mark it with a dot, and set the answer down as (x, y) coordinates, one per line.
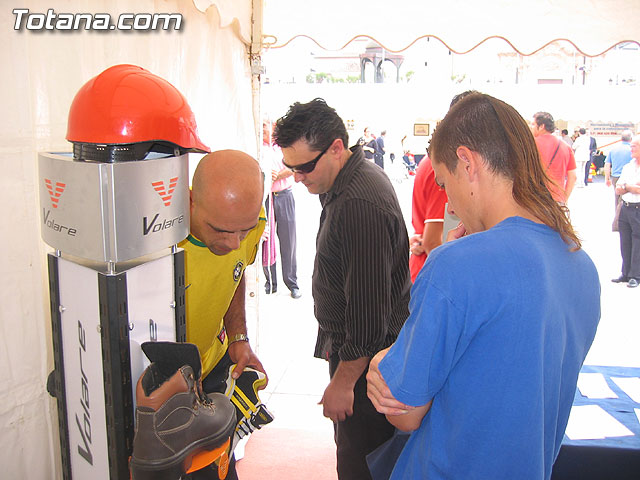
(592, 27)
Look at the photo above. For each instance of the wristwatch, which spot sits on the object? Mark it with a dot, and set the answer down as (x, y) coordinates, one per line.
(238, 337)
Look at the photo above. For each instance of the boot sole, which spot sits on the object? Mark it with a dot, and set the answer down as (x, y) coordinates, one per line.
(196, 456)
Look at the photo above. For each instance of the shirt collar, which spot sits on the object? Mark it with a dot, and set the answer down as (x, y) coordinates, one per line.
(192, 239)
(346, 173)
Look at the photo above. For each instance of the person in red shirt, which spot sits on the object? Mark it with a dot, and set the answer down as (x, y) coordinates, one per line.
(557, 157)
(427, 216)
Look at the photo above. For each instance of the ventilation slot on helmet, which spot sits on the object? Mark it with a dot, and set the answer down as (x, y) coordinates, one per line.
(123, 153)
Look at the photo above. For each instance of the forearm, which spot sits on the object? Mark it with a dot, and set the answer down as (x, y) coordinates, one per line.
(622, 188)
(349, 371)
(282, 174)
(235, 321)
(398, 414)
(411, 420)
(235, 324)
(338, 398)
(571, 181)
(432, 236)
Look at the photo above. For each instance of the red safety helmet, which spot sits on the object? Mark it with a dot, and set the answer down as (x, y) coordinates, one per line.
(126, 112)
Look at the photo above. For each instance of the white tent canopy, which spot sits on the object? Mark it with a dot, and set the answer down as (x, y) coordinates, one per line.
(592, 26)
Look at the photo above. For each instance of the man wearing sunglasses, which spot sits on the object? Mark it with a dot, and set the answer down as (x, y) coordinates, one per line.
(361, 278)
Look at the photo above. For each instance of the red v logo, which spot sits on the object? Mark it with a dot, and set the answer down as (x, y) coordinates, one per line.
(165, 192)
(55, 191)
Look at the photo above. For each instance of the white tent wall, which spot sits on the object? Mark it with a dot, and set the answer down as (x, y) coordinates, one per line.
(207, 60)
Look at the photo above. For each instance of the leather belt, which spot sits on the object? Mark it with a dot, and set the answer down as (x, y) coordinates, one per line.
(286, 190)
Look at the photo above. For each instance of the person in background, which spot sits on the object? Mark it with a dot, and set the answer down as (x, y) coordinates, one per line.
(378, 156)
(282, 219)
(628, 187)
(582, 152)
(368, 144)
(361, 278)
(427, 212)
(427, 216)
(566, 138)
(484, 371)
(407, 158)
(593, 150)
(618, 157)
(557, 157)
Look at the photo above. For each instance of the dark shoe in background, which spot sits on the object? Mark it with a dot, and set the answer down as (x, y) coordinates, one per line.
(178, 428)
(270, 289)
(620, 279)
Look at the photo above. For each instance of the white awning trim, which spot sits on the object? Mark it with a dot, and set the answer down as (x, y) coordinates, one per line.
(270, 41)
(592, 27)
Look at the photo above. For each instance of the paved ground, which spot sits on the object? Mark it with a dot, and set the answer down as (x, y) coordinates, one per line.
(287, 328)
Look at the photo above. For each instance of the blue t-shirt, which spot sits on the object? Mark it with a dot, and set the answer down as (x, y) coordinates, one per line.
(618, 157)
(500, 324)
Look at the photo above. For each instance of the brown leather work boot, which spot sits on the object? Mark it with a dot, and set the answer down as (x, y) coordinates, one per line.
(175, 421)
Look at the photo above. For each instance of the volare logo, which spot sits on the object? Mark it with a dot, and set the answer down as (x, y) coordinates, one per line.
(55, 191)
(165, 192)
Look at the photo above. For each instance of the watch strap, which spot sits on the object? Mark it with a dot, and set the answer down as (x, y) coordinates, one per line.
(238, 337)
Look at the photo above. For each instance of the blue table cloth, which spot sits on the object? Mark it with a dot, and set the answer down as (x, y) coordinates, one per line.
(610, 458)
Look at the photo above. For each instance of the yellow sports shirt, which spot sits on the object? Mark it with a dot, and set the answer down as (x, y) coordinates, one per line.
(211, 283)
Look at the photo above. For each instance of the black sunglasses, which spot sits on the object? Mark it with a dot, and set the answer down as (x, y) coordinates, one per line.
(307, 167)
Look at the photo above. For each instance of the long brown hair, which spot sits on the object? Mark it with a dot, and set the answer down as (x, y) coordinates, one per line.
(496, 131)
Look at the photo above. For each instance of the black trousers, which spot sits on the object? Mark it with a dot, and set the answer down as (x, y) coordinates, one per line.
(587, 167)
(359, 434)
(284, 211)
(616, 197)
(629, 226)
(379, 160)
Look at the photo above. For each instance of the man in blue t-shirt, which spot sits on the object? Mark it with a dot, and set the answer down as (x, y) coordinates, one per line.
(484, 371)
(618, 157)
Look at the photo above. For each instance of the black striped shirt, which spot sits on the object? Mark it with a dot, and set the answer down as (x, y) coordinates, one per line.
(361, 280)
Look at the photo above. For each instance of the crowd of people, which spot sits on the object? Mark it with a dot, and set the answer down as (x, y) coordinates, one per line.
(404, 344)
(411, 324)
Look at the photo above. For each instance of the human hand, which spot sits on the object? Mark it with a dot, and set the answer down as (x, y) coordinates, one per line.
(458, 232)
(415, 245)
(337, 401)
(242, 355)
(378, 391)
(274, 175)
(608, 182)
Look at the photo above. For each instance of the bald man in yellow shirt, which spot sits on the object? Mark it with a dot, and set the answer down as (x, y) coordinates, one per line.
(227, 221)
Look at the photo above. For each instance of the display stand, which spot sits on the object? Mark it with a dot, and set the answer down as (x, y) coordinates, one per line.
(116, 280)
